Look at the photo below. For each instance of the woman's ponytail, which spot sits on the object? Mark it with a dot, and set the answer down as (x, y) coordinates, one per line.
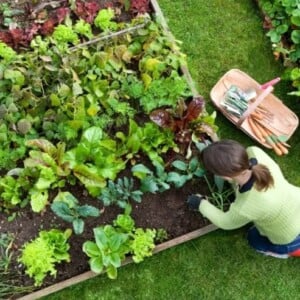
(262, 176)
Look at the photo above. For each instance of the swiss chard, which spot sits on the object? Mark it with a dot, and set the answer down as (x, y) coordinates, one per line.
(94, 159)
(148, 139)
(47, 159)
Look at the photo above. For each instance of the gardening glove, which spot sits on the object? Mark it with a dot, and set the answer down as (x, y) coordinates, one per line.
(194, 201)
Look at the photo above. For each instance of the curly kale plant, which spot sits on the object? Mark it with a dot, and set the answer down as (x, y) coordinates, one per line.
(120, 192)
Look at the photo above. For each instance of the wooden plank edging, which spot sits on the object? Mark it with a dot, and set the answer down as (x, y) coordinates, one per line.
(89, 274)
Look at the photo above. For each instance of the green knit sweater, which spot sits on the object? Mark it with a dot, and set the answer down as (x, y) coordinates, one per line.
(275, 212)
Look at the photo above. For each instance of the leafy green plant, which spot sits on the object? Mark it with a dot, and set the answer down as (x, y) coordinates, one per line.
(9, 156)
(122, 109)
(83, 28)
(149, 139)
(285, 18)
(150, 181)
(161, 235)
(40, 255)
(6, 52)
(114, 242)
(120, 192)
(143, 244)
(141, 240)
(159, 182)
(6, 242)
(94, 159)
(108, 250)
(220, 194)
(189, 169)
(65, 34)
(66, 206)
(51, 171)
(12, 191)
(132, 87)
(284, 33)
(103, 20)
(164, 92)
(124, 221)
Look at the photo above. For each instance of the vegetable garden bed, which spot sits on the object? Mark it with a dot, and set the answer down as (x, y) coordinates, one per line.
(80, 112)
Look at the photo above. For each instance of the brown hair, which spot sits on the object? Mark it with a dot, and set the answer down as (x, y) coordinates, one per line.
(229, 158)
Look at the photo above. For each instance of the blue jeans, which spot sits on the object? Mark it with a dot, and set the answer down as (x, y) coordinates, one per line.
(261, 243)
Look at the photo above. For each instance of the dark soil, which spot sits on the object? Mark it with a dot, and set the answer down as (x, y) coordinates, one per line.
(167, 210)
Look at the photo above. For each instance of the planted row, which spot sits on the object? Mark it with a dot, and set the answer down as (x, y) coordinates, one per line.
(80, 113)
(282, 22)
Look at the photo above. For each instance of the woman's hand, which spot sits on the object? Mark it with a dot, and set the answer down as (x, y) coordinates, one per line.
(194, 201)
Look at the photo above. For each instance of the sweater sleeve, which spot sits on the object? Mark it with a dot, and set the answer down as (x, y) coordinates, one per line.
(230, 219)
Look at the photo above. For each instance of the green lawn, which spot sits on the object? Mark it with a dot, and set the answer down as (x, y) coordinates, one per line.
(216, 35)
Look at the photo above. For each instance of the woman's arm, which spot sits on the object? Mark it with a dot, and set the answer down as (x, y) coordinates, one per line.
(225, 220)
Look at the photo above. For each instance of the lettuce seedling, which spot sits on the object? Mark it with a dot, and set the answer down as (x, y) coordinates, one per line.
(40, 255)
(103, 20)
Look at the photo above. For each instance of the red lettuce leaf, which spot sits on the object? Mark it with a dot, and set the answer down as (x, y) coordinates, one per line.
(19, 37)
(180, 119)
(57, 16)
(87, 10)
(48, 27)
(162, 118)
(194, 109)
(139, 6)
(6, 37)
(61, 13)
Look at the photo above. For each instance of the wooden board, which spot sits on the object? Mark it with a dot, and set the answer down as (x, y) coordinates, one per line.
(89, 274)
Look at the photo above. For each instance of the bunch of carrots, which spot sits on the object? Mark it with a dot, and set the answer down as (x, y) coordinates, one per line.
(264, 134)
